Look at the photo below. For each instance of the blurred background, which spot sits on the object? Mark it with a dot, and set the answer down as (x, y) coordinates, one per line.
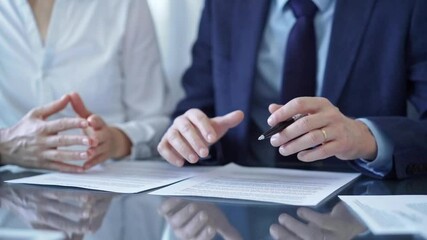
(176, 23)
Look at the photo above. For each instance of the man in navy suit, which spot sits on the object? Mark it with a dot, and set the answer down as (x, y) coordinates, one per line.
(371, 58)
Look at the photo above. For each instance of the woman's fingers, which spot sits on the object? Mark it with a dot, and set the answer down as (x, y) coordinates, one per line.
(78, 105)
(96, 160)
(67, 140)
(96, 122)
(63, 155)
(51, 108)
(64, 124)
(59, 166)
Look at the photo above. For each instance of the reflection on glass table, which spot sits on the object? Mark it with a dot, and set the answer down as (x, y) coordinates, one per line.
(339, 224)
(75, 213)
(31, 234)
(95, 215)
(197, 220)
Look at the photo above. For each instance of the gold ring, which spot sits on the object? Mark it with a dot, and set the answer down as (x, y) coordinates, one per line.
(325, 136)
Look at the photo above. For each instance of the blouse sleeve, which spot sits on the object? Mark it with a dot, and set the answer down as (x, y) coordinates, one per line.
(145, 88)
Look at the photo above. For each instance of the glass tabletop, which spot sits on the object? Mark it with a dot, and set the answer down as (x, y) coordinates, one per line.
(43, 212)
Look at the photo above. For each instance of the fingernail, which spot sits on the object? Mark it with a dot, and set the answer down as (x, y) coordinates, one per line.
(92, 122)
(203, 217)
(301, 212)
(203, 152)
(282, 151)
(83, 155)
(193, 158)
(282, 218)
(210, 137)
(86, 141)
(210, 230)
(84, 124)
(270, 120)
(93, 142)
(90, 152)
(191, 208)
(274, 139)
(274, 231)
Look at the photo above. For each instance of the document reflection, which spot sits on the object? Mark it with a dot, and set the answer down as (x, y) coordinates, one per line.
(196, 220)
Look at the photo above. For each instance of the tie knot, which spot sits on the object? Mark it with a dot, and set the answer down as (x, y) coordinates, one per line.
(303, 8)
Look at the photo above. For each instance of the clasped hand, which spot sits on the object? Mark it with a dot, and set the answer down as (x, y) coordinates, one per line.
(35, 141)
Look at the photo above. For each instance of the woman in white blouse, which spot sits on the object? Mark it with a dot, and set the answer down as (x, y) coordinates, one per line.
(104, 50)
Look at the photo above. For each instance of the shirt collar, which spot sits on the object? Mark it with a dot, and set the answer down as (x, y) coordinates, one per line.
(321, 4)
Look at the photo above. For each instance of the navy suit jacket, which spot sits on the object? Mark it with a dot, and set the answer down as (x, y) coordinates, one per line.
(377, 60)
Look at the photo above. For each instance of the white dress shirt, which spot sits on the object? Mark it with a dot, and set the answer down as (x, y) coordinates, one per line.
(106, 50)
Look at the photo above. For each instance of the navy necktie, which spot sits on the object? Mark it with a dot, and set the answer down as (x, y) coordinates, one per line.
(299, 72)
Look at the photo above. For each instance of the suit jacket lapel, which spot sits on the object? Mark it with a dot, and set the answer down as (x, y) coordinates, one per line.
(249, 21)
(350, 22)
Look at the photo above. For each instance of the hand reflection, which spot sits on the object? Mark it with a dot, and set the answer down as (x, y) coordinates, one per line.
(339, 224)
(193, 220)
(73, 212)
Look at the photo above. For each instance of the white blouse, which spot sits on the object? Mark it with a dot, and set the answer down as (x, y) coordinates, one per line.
(106, 50)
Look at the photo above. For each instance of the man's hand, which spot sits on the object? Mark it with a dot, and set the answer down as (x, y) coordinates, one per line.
(325, 132)
(111, 142)
(191, 134)
(33, 142)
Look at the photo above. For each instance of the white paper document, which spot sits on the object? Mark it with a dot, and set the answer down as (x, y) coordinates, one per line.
(293, 187)
(391, 214)
(120, 177)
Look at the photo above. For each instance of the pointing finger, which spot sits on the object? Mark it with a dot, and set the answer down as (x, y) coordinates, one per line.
(223, 123)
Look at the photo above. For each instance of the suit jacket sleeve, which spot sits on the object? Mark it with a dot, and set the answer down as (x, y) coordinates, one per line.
(198, 80)
(409, 136)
